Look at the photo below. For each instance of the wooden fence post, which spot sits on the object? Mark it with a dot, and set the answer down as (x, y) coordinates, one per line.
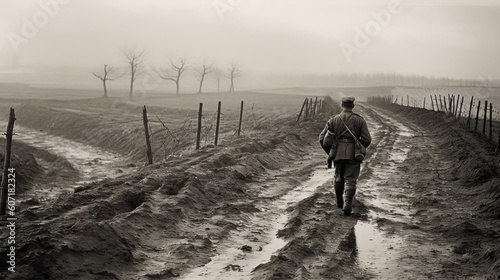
(301, 109)
(441, 103)
(311, 108)
(6, 163)
(146, 131)
(477, 115)
(198, 134)
(308, 106)
(445, 104)
(456, 106)
(437, 105)
(491, 121)
(460, 111)
(424, 102)
(241, 117)
(217, 124)
(485, 116)
(450, 105)
(314, 108)
(306, 112)
(470, 110)
(432, 104)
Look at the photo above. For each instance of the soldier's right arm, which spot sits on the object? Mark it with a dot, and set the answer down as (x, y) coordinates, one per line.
(365, 137)
(322, 134)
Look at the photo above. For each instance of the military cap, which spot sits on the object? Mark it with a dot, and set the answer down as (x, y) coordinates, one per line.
(348, 101)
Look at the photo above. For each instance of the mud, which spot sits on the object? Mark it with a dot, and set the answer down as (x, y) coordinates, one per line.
(259, 235)
(261, 206)
(91, 163)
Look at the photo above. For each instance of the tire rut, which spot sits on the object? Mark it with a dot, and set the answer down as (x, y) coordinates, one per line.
(256, 240)
(378, 241)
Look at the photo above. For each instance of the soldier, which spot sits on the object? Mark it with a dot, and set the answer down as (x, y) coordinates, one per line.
(343, 127)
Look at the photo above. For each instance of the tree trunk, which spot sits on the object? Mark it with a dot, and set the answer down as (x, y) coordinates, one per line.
(201, 82)
(231, 88)
(132, 78)
(105, 89)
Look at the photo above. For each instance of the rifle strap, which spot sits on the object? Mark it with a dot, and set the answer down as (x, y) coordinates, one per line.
(355, 139)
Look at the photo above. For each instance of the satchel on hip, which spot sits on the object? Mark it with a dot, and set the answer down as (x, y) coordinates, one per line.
(359, 149)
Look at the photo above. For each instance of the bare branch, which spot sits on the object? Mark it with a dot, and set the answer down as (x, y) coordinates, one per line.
(234, 71)
(135, 60)
(104, 77)
(97, 76)
(174, 73)
(204, 69)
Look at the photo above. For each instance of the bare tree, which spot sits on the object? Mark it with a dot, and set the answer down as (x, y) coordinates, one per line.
(135, 59)
(204, 69)
(218, 73)
(104, 77)
(234, 71)
(174, 72)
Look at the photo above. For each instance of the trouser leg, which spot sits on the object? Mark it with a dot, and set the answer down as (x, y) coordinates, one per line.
(339, 193)
(351, 174)
(339, 183)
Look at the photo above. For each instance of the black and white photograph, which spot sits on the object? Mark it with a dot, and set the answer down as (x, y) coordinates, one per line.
(249, 139)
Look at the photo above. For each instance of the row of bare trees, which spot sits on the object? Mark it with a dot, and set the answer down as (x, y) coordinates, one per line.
(135, 59)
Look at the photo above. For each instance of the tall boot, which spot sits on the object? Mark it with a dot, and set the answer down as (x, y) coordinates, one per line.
(348, 197)
(339, 191)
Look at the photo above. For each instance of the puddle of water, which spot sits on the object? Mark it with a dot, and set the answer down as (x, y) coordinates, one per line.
(92, 162)
(395, 252)
(376, 250)
(272, 218)
(400, 154)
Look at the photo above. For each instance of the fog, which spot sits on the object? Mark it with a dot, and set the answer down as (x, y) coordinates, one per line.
(457, 39)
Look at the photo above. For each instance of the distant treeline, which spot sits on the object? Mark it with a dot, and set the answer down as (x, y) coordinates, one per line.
(377, 79)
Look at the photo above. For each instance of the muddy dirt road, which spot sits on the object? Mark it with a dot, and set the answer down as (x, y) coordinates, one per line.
(403, 193)
(263, 207)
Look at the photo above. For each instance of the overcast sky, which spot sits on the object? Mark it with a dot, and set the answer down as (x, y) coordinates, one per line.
(454, 39)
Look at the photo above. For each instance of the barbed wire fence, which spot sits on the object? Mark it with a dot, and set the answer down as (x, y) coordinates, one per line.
(166, 136)
(478, 116)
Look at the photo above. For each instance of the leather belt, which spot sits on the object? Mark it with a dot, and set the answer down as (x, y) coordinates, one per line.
(346, 140)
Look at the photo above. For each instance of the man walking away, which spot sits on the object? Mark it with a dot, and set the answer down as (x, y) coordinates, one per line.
(345, 127)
